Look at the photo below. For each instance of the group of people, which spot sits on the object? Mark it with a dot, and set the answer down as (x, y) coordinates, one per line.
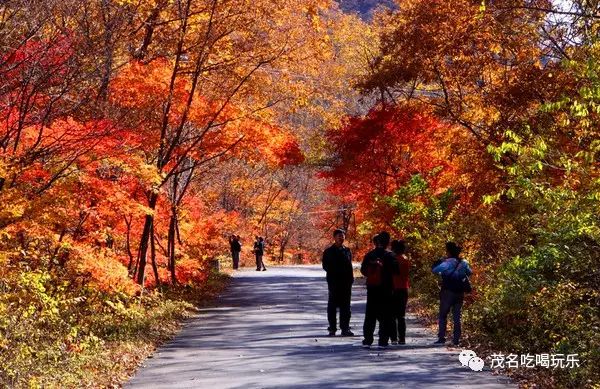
(258, 249)
(386, 268)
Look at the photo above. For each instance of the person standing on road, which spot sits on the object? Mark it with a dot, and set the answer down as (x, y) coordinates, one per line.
(400, 294)
(378, 267)
(236, 248)
(337, 263)
(259, 250)
(454, 271)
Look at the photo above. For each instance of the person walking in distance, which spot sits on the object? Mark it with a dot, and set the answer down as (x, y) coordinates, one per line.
(337, 263)
(454, 271)
(259, 250)
(400, 294)
(378, 266)
(236, 248)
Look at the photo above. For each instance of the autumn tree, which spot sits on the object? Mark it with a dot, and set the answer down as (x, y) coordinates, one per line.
(220, 58)
(512, 83)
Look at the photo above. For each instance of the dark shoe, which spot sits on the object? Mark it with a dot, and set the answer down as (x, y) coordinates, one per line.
(331, 333)
(347, 333)
(265, 269)
(257, 269)
(440, 341)
(456, 344)
(366, 343)
(401, 342)
(383, 345)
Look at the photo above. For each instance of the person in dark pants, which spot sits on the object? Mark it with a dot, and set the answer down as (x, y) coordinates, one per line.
(337, 263)
(236, 248)
(378, 266)
(400, 294)
(259, 250)
(453, 270)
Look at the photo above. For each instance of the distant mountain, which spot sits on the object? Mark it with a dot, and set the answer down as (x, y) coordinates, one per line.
(364, 7)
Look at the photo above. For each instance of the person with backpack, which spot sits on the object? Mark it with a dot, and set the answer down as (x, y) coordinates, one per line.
(378, 266)
(400, 294)
(455, 283)
(337, 263)
(259, 250)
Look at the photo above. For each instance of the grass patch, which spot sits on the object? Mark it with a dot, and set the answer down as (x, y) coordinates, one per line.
(92, 340)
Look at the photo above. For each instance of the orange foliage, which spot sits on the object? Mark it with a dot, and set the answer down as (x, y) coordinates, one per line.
(378, 153)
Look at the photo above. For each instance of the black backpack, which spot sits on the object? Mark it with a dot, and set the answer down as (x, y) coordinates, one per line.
(456, 284)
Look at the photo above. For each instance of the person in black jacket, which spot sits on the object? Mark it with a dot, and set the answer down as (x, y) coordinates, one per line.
(236, 249)
(259, 250)
(379, 266)
(337, 262)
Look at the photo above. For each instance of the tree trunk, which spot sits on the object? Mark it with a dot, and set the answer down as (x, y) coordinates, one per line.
(145, 240)
(128, 245)
(282, 246)
(153, 257)
(171, 247)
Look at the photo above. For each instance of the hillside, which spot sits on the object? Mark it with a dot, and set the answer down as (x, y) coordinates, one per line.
(364, 7)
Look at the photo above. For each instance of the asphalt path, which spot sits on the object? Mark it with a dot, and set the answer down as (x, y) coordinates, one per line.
(268, 330)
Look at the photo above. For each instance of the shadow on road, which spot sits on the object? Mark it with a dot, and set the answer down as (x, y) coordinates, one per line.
(269, 331)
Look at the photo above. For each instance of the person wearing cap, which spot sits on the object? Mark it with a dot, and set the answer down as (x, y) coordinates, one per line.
(337, 263)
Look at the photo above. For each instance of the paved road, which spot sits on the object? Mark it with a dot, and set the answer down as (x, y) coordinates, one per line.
(269, 332)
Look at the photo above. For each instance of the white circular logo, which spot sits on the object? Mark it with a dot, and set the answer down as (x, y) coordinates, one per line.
(476, 364)
(469, 358)
(465, 356)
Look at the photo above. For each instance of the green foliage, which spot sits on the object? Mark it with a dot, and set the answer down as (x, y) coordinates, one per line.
(414, 203)
(54, 334)
(546, 297)
(535, 243)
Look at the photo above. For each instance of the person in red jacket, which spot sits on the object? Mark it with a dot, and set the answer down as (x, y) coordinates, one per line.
(400, 294)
